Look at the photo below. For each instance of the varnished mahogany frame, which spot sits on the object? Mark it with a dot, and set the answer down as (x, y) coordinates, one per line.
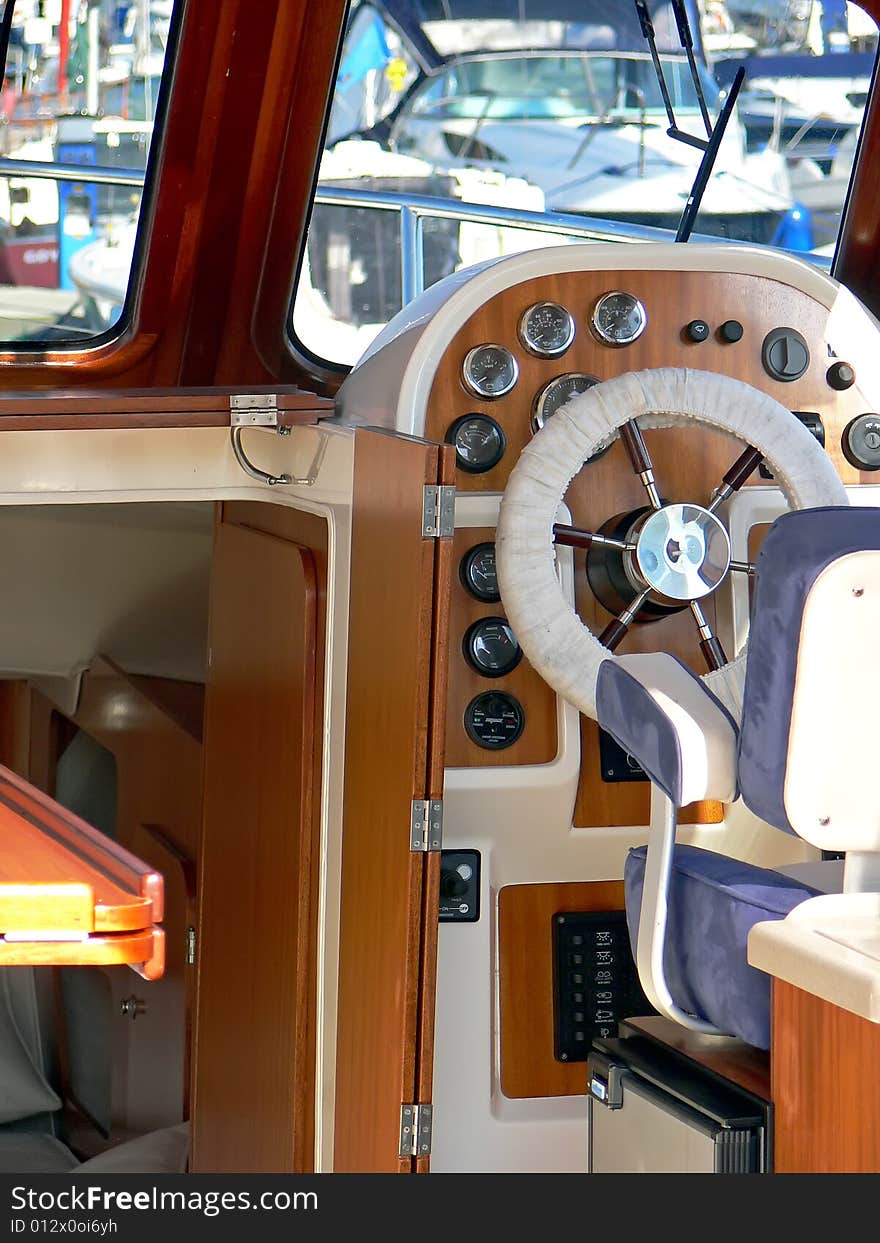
(232, 191)
(394, 753)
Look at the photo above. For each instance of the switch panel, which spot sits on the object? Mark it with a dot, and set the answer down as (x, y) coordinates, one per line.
(595, 980)
(459, 886)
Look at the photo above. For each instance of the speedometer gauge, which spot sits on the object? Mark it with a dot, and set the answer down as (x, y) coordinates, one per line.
(546, 329)
(556, 394)
(489, 371)
(618, 318)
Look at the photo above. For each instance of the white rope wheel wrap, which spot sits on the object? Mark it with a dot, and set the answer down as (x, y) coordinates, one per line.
(558, 644)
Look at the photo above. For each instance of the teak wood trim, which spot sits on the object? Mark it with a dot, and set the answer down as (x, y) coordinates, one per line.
(525, 961)
(72, 410)
(49, 852)
(725, 1056)
(253, 1067)
(387, 935)
(826, 1091)
(311, 532)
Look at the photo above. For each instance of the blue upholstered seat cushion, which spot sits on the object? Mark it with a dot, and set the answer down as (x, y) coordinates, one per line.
(713, 903)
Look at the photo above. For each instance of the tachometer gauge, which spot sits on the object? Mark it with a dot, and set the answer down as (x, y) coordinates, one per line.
(555, 394)
(479, 442)
(546, 329)
(489, 371)
(618, 318)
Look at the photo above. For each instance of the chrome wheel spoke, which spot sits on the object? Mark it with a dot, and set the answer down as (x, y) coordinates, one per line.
(616, 630)
(747, 462)
(632, 437)
(574, 537)
(710, 644)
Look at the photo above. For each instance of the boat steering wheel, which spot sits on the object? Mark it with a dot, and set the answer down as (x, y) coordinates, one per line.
(662, 558)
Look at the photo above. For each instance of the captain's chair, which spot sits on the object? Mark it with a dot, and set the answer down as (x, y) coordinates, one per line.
(802, 761)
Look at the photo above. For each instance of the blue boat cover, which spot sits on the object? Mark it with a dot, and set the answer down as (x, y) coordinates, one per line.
(713, 903)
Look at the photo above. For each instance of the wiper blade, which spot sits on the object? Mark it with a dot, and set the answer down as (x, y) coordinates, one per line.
(715, 133)
(704, 172)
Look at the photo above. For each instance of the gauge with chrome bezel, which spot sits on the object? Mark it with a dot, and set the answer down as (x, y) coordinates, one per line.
(618, 318)
(556, 393)
(489, 371)
(546, 329)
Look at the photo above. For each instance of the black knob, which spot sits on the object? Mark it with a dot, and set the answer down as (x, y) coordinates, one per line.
(697, 331)
(785, 354)
(840, 376)
(730, 331)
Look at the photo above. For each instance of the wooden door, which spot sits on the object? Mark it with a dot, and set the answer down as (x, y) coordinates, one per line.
(253, 1068)
(394, 754)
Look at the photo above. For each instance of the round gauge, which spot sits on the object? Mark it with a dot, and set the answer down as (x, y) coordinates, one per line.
(546, 329)
(618, 318)
(555, 394)
(477, 572)
(491, 648)
(494, 720)
(479, 442)
(489, 371)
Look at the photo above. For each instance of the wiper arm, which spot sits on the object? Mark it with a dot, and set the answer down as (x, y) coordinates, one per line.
(687, 42)
(648, 32)
(715, 133)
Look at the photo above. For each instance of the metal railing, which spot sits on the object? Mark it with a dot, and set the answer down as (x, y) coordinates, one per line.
(414, 209)
(92, 174)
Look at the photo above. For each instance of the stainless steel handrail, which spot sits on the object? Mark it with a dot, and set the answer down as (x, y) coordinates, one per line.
(92, 174)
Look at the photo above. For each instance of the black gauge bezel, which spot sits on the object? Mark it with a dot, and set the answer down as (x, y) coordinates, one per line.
(852, 457)
(483, 596)
(533, 347)
(506, 742)
(468, 652)
(468, 467)
(601, 334)
(472, 387)
(536, 419)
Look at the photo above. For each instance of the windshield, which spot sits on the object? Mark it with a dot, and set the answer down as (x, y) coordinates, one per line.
(464, 130)
(579, 85)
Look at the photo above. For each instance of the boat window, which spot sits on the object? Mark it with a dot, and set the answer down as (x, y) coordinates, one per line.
(457, 136)
(78, 110)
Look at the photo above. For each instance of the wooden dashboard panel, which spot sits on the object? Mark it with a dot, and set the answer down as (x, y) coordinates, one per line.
(688, 464)
(672, 300)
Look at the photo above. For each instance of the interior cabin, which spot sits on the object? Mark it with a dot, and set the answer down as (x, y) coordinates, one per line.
(390, 559)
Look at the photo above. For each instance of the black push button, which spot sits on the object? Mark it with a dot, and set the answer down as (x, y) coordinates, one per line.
(840, 376)
(697, 331)
(730, 331)
(785, 354)
(861, 442)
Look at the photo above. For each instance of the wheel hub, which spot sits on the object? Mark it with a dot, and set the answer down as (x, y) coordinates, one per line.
(682, 552)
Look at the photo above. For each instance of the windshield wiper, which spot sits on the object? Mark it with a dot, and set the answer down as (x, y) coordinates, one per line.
(715, 133)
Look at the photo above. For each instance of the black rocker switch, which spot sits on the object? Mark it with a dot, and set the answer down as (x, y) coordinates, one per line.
(697, 331)
(730, 331)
